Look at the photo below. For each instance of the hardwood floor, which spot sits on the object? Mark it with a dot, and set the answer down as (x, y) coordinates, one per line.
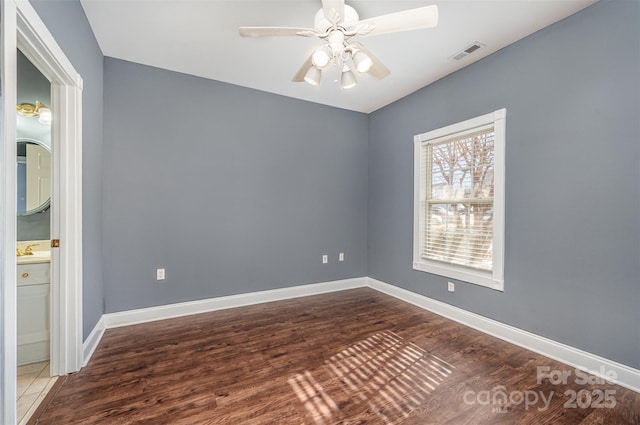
(350, 357)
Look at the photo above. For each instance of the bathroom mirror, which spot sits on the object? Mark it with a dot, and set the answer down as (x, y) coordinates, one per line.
(34, 176)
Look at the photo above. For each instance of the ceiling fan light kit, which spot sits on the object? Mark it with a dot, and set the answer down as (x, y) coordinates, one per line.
(336, 23)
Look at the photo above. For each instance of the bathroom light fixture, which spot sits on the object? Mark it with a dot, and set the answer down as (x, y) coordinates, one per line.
(38, 110)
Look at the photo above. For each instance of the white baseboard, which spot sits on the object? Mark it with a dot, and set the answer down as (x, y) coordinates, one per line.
(626, 376)
(92, 341)
(33, 352)
(150, 314)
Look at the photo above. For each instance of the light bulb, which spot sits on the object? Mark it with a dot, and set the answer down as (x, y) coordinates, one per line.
(362, 61)
(321, 57)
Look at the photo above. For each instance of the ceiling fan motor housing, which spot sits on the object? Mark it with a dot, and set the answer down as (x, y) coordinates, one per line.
(322, 23)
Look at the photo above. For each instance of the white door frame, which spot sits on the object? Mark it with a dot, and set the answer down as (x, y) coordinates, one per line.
(23, 28)
(8, 340)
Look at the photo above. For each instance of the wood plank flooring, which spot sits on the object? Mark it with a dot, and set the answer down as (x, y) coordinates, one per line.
(350, 357)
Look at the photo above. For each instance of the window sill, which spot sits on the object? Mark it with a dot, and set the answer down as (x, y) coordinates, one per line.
(464, 274)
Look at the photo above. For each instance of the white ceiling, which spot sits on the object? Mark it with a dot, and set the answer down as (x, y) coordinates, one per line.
(200, 37)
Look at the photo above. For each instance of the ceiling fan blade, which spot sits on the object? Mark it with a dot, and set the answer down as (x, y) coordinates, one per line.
(275, 31)
(412, 19)
(377, 70)
(333, 10)
(299, 77)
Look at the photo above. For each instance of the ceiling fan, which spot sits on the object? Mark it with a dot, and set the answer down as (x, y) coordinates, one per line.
(336, 24)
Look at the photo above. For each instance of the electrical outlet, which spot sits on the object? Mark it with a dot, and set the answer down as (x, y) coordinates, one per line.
(325, 259)
(451, 287)
(160, 274)
(341, 256)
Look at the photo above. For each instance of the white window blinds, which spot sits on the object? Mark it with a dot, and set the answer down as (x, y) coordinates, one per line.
(458, 201)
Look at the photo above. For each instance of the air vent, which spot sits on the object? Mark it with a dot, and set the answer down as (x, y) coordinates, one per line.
(467, 51)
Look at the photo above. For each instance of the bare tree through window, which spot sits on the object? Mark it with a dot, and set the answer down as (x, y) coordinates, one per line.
(459, 201)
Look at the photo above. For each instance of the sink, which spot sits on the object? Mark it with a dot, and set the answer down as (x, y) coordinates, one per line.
(37, 257)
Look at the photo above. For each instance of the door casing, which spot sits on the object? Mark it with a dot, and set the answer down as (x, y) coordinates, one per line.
(23, 29)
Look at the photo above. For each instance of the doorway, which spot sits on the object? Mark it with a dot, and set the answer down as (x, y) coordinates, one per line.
(22, 28)
(33, 246)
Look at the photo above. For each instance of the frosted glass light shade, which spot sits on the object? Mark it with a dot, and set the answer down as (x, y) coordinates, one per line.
(362, 61)
(44, 116)
(313, 76)
(348, 80)
(321, 57)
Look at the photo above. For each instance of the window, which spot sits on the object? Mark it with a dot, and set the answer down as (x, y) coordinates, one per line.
(459, 201)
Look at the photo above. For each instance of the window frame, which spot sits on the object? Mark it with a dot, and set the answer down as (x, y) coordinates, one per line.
(493, 279)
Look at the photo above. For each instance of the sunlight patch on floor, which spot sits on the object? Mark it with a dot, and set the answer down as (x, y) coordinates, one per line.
(391, 375)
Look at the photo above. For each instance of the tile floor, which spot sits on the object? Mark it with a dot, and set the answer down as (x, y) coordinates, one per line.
(34, 383)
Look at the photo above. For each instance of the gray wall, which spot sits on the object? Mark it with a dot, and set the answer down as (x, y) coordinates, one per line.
(230, 189)
(572, 181)
(234, 190)
(68, 24)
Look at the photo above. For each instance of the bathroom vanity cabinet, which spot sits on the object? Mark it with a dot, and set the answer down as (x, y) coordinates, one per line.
(33, 312)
